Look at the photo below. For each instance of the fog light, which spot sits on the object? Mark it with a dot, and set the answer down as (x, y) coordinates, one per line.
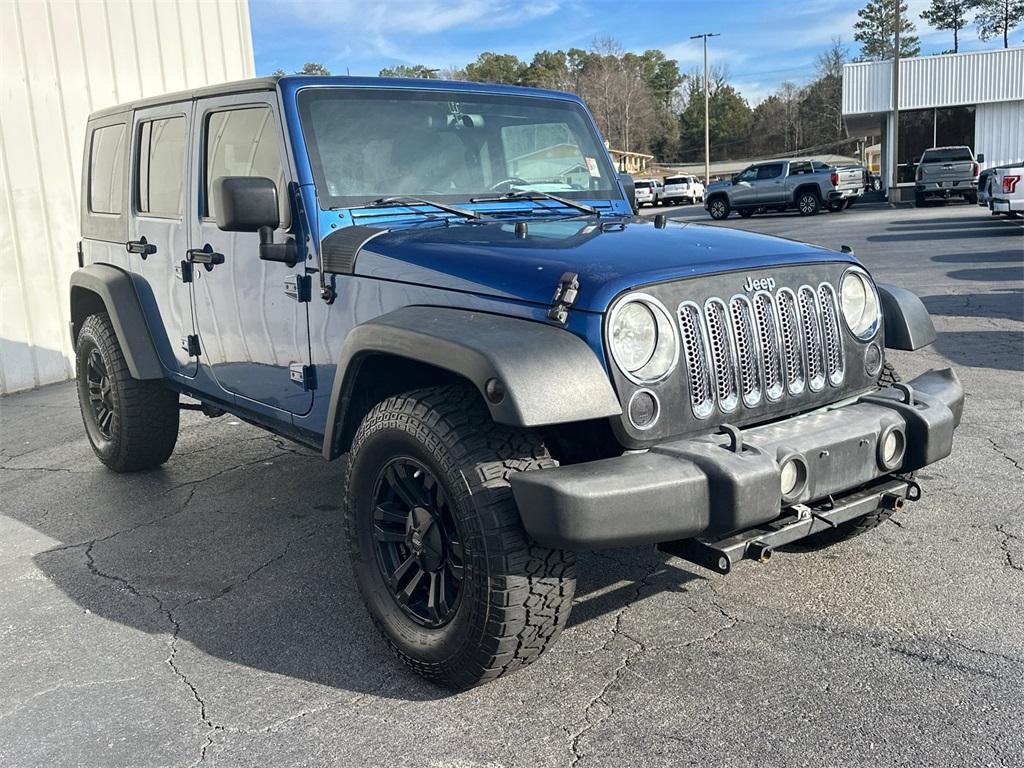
(890, 448)
(643, 409)
(792, 477)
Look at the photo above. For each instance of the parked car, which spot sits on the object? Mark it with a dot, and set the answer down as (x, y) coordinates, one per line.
(648, 192)
(1006, 191)
(681, 190)
(779, 185)
(985, 182)
(947, 172)
(515, 368)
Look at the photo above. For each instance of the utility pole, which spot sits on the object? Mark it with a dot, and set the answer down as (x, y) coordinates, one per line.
(707, 133)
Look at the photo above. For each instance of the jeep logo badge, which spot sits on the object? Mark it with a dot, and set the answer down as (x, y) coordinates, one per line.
(764, 284)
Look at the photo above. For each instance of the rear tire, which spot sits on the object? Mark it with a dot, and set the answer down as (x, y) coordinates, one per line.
(506, 598)
(719, 208)
(865, 523)
(131, 424)
(808, 203)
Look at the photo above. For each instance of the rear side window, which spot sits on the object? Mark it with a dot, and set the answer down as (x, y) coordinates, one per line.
(106, 169)
(243, 142)
(161, 167)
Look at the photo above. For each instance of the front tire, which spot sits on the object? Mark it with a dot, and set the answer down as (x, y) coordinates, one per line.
(131, 424)
(719, 208)
(427, 482)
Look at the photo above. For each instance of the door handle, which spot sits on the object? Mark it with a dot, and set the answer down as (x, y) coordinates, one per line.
(205, 255)
(140, 247)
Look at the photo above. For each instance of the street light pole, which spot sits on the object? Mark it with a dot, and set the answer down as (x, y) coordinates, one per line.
(707, 131)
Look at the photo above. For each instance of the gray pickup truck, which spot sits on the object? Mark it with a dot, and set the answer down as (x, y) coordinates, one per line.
(947, 172)
(778, 185)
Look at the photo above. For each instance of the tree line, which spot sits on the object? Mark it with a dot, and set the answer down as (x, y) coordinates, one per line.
(642, 102)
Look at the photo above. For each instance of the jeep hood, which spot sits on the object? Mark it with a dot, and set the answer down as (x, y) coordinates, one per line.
(610, 256)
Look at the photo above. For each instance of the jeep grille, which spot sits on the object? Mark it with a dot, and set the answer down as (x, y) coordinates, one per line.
(738, 353)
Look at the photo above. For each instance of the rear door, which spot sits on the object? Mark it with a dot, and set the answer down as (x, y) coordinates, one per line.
(770, 184)
(253, 327)
(158, 231)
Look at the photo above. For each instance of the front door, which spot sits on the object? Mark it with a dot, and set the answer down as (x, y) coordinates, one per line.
(158, 233)
(744, 194)
(254, 337)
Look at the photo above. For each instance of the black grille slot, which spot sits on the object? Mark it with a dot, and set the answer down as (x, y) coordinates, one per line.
(810, 328)
(746, 350)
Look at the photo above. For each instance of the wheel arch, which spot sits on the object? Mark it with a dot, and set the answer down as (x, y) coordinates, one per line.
(105, 288)
(548, 375)
(807, 188)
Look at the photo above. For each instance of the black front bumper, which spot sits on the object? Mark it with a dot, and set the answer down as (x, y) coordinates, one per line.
(708, 485)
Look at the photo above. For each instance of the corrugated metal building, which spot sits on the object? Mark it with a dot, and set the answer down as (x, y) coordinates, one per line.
(59, 61)
(975, 99)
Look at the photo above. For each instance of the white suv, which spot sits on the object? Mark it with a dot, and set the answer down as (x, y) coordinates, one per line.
(682, 189)
(648, 192)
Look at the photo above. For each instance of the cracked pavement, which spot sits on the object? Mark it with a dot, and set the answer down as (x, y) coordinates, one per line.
(204, 612)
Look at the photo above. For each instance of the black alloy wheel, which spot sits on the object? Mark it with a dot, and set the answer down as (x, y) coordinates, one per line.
(418, 547)
(101, 396)
(718, 208)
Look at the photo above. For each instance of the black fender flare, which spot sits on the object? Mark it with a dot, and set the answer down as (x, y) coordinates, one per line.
(805, 187)
(548, 374)
(112, 287)
(905, 318)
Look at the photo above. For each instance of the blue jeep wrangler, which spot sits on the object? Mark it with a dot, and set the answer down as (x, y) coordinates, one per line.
(444, 283)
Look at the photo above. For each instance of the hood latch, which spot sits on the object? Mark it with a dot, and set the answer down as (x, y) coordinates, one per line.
(565, 295)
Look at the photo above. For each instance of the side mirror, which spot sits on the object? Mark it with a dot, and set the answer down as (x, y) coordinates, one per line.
(249, 204)
(629, 187)
(980, 158)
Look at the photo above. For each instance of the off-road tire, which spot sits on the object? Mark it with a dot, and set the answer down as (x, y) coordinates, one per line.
(143, 426)
(808, 203)
(515, 595)
(719, 208)
(865, 523)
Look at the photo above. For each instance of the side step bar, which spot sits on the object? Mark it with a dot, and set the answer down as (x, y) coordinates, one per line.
(797, 522)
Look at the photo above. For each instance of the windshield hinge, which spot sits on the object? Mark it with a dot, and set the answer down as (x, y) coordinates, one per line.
(298, 287)
(565, 295)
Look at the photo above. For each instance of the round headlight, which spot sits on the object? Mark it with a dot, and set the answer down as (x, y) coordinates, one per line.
(860, 304)
(642, 339)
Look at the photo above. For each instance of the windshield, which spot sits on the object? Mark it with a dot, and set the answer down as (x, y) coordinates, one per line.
(368, 144)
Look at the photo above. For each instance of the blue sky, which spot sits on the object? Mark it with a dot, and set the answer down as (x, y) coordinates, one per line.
(763, 43)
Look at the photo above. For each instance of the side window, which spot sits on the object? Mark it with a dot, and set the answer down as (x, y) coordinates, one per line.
(161, 155)
(106, 169)
(243, 142)
(772, 171)
(750, 174)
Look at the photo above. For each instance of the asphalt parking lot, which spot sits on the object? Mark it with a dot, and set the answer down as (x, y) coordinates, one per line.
(204, 612)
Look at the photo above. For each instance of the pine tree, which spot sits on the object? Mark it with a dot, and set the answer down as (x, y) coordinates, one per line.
(949, 14)
(998, 17)
(875, 30)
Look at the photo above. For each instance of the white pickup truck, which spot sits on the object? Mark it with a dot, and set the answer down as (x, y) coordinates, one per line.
(1006, 191)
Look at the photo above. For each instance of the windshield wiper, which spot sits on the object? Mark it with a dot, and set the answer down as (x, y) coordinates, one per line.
(534, 195)
(406, 200)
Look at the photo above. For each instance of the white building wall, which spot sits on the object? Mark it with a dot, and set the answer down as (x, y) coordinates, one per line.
(935, 81)
(999, 132)
(59, 61)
